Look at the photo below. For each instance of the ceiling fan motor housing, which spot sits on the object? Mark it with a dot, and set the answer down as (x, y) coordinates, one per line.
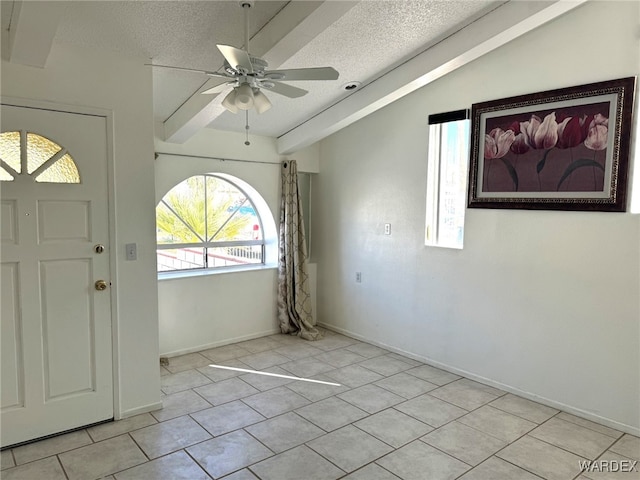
(259, 66)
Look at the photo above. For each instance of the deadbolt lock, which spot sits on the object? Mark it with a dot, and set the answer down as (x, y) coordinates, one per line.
(101, 285)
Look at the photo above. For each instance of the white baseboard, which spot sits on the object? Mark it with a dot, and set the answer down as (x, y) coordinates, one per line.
(152, 407)
(220, 343)
(492, 383)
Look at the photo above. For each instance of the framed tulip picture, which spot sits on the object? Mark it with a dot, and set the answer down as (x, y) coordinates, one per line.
(565, 149)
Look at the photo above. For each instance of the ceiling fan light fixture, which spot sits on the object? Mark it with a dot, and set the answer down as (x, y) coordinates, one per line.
(229, 101)
(244, 98)
(260, 101)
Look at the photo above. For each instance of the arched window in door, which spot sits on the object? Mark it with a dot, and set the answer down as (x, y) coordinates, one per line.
(27, 153)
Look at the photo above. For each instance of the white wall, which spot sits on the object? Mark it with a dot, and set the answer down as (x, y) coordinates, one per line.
(101, 80)
(541, 303)
(203, 311)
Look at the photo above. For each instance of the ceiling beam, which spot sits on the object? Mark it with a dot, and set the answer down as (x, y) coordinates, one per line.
(293, 27)
(32, 28)
(489, 32)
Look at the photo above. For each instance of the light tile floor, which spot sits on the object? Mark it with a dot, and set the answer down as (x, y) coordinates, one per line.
(391, 417)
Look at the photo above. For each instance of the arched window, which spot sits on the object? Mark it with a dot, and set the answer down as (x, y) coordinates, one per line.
(29, 154)
(208, 222)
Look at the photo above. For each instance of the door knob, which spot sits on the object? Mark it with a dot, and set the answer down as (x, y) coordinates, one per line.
(101, 285)
(98, 248)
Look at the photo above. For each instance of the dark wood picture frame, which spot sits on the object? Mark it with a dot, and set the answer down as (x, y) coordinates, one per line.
(564, 149)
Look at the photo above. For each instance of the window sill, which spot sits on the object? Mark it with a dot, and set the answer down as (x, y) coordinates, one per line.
(217, 271)
(439, 245)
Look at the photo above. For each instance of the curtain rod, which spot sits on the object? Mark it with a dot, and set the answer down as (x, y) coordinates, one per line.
(215, 158)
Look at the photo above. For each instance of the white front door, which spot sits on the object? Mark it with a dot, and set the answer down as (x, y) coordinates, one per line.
(56, 352)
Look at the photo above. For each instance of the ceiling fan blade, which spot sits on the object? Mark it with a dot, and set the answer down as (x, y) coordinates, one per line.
(217, 89)
(206, 72)
(286, 90)
(318, 73)
(238, 59)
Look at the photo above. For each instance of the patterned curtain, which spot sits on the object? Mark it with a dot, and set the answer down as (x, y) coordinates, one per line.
(294, 301)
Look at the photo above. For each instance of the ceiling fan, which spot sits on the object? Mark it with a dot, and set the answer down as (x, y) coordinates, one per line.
(247, 75)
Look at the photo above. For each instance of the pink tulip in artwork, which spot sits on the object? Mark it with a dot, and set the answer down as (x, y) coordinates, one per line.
(571, 132)
(519, 145)
(597, 134)
(541, 134)
(497, 143)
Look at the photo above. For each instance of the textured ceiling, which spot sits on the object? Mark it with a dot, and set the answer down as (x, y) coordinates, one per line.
(179, 33)
(369, 40)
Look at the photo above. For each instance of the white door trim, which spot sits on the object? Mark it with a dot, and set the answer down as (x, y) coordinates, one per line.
(113, 264)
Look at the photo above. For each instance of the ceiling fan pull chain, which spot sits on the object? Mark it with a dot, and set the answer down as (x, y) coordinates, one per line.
(246, 127)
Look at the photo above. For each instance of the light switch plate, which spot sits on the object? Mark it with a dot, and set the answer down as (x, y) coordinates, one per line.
(132, 251)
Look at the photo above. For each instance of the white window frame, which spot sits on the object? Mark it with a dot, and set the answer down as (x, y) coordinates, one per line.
(205, 245)
(436, 234)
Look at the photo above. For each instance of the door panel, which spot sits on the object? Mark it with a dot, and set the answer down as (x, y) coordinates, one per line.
(60, 221)
(11, 353)
(56, 327)
(68, 366)
(8, 219)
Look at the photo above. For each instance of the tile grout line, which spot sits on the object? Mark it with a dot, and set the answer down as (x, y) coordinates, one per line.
(491, 434)
(622, 434)
(565, 449)
(373, 462)
(139, 447)
(448, 454)
(196, 461)
(394, 449)
(386, 443)
(476, 429)
(495, 454)
(325, 458)
(13, 457)
(506, 461)
(64, 470)
(515, 414)
(513, 441)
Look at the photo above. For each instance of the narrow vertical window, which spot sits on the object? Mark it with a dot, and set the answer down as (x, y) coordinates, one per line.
(447, 178)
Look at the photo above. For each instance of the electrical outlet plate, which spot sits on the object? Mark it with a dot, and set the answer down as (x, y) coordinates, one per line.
(387, 229)
(358, 277)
